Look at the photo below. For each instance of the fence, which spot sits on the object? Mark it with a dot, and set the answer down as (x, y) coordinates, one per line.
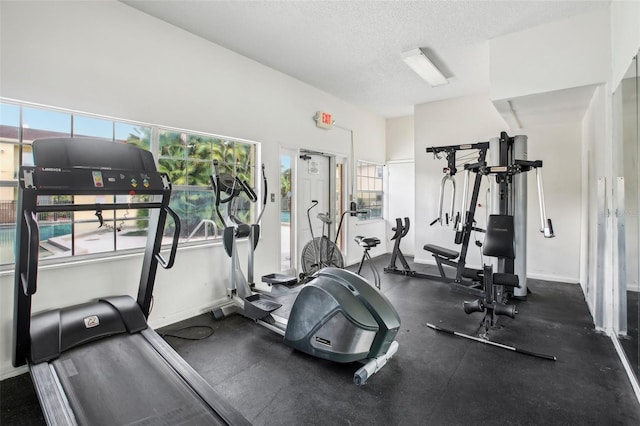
(8, 212)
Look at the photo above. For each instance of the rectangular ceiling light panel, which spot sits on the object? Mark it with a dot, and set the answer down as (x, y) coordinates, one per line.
(419, 62)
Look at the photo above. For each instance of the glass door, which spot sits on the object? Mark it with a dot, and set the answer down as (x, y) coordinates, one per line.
(287, 163)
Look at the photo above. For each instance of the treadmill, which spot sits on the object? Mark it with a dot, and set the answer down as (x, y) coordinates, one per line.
(99, 363)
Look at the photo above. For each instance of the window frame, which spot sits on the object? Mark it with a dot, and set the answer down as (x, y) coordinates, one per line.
(251, 150)
(360, 180)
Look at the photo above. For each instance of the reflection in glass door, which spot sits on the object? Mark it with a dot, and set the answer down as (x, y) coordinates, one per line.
(627, 123)
(286, 207)
(340, 204)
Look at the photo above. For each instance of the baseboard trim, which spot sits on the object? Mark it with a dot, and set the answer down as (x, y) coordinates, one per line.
(156, 323)
(627, 367)
(545, 277)
(8, 373)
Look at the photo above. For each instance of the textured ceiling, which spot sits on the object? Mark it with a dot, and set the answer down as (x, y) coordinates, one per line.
(352, 49)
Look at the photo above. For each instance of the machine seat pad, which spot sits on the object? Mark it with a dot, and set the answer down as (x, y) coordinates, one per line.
(367, 242)
(507, 280)
(441, 251)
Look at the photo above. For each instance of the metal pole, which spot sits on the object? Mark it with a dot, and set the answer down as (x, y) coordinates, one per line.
(494, 189)
(463, 201)
(519, 209)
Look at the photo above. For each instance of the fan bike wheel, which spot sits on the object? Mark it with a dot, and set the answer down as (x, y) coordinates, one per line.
(320, 253)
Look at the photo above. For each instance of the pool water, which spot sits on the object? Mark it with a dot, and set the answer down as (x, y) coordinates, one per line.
(8, 238)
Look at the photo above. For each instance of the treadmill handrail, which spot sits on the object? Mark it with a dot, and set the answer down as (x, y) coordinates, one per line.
(29, 282)
(168, 264)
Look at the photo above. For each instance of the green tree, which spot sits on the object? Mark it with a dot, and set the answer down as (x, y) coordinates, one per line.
(188, 161)
(140, 138)
(285, 182)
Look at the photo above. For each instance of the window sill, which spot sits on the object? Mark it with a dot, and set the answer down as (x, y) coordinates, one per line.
(369, 221)
(62, 262)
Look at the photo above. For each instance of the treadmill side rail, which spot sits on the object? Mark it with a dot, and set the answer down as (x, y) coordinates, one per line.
(55, 407)
(67, 388)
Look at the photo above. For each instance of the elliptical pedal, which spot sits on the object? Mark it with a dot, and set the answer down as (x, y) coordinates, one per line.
(259, 306)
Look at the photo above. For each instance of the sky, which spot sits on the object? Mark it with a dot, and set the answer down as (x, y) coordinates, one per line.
(60, 122)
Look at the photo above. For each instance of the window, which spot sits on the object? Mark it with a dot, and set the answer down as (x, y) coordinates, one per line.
(185, 157)
(188, 160)
(369, 189)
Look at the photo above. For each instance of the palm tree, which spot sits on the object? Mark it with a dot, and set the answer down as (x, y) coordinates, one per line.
(187, 160)
(140, 138)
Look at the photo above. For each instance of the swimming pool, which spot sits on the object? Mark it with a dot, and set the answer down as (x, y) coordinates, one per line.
(8, 238)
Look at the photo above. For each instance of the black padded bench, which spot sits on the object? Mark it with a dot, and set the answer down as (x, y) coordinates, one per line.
(441, 251)
(443, 256)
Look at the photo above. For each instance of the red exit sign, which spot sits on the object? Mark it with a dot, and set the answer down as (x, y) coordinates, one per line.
(324, 120)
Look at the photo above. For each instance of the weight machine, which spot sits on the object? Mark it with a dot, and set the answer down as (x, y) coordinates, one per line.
(464, 279)
(506, 234)
(508, 164)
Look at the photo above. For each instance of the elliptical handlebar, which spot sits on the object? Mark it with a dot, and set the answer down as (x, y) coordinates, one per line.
(215, 183)
(233, 186)
(264, 194)
(253, 197)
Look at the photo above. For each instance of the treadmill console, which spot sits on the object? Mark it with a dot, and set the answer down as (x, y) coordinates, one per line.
(87, 166)
(92, 181)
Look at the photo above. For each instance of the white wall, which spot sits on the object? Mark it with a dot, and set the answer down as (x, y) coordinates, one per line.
(568, 53)
(625, 37)
(107, 58)
(400, 180)
(559, 148)
(401, 184)
(400, 138)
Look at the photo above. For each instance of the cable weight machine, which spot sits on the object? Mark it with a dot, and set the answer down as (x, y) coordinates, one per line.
(505, 238)
(465, 279)
(509, 166)
(504, 158)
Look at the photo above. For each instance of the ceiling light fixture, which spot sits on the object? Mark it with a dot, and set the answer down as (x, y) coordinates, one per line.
(418, 61)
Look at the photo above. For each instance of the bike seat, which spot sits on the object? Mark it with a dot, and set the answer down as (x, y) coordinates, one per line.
(367, 242)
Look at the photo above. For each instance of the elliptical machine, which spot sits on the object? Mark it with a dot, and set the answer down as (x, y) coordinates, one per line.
(337, 315)
(228, 189)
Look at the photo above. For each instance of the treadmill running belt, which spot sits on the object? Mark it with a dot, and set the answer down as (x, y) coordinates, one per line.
(122, 380)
